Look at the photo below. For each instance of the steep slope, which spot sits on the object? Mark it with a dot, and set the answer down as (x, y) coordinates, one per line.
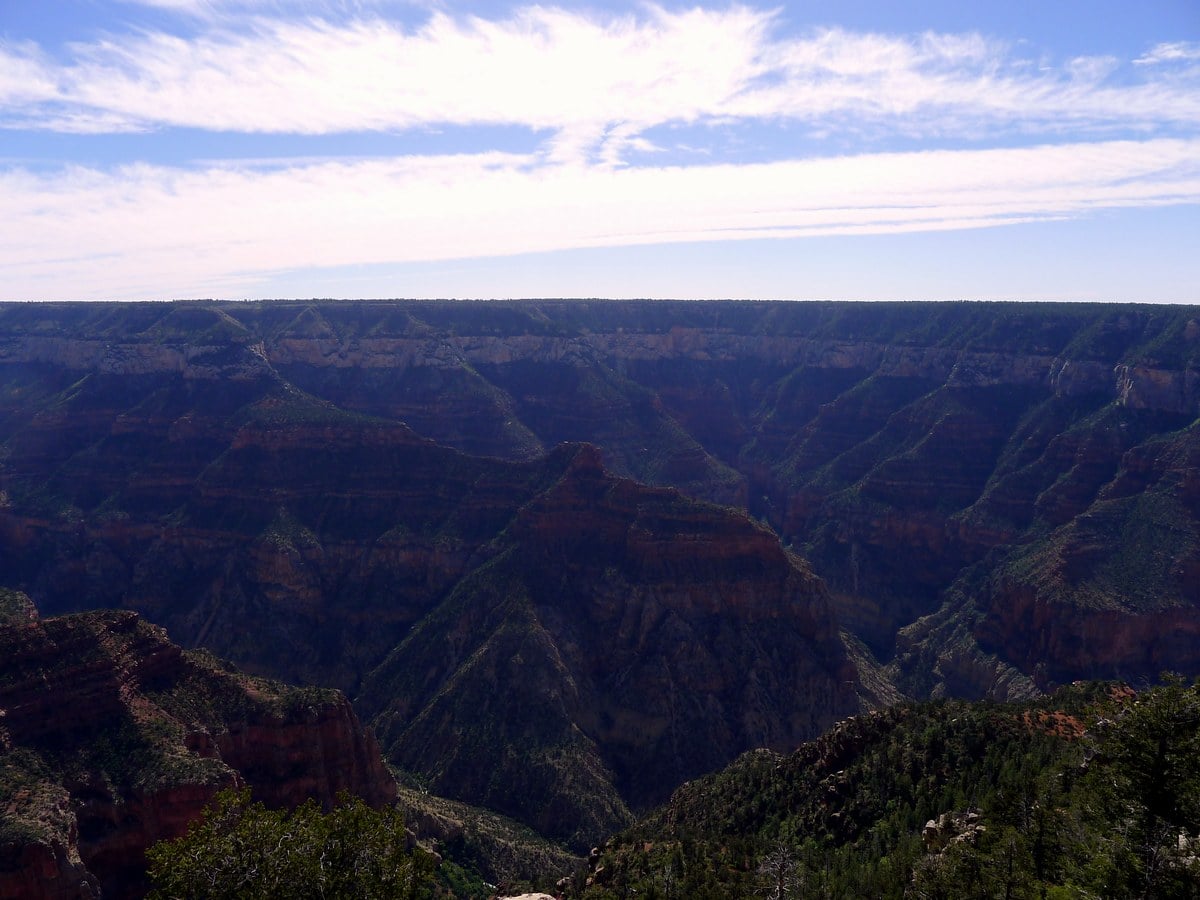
(492, 853)
(898, 446)
(249, 502)
(1102, 580)
(639, 639)
(114, 738)
(647, 637)
(1094, 791)
(997, 497)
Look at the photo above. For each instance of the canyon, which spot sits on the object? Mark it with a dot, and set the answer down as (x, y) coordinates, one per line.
(668, 532)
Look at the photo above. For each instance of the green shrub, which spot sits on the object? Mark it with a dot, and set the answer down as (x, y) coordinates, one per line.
(243, 849)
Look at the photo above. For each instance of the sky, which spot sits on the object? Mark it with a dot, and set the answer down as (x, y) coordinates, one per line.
(174, 149)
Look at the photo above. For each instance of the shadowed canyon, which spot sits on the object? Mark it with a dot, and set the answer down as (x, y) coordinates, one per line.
(563, 556)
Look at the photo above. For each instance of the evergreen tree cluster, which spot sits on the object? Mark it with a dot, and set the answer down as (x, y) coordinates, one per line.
(1091, 793)
(243, 849)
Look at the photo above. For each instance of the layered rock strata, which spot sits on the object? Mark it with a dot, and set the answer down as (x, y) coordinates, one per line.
(114, 738)
(998, 496)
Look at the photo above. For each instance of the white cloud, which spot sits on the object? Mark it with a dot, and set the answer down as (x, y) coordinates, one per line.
(187, 6)
(594, 82)
(591, 87)
(148, 231)
(1176, 51)
(25, 78)
(545, 69)
(213, 9)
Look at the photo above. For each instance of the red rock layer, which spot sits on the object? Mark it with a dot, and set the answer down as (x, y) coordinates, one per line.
(125, 738)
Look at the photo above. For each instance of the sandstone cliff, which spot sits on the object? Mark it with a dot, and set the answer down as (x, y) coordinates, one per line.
(114, 738)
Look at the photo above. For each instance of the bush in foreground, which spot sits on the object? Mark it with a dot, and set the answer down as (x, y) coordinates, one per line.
(243, 849)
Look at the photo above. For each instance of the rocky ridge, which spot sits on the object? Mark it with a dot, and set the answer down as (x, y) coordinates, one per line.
(1068, 793)
(114, 738)
(623, 623)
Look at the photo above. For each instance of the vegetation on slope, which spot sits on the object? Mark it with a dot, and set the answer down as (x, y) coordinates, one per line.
(112, 737)
(483, 853)
(243, 849)
(896, 445)
(1094, 792)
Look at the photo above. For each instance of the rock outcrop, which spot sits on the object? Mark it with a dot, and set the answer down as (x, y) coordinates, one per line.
(113, 738)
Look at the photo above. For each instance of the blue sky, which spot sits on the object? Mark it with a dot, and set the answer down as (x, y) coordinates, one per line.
(155, 149)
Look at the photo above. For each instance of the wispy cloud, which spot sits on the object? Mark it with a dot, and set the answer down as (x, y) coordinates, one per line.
(1173, 52)
(26, 78)
(597, 94)
(595, 83)
(152, 231)
(211, 9)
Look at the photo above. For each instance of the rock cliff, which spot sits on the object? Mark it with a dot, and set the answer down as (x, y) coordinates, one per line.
(309, 542)
(113, 738)
(994, 497)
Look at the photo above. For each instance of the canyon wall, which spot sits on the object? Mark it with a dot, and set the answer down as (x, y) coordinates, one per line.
(972, 499)
(114, 738)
